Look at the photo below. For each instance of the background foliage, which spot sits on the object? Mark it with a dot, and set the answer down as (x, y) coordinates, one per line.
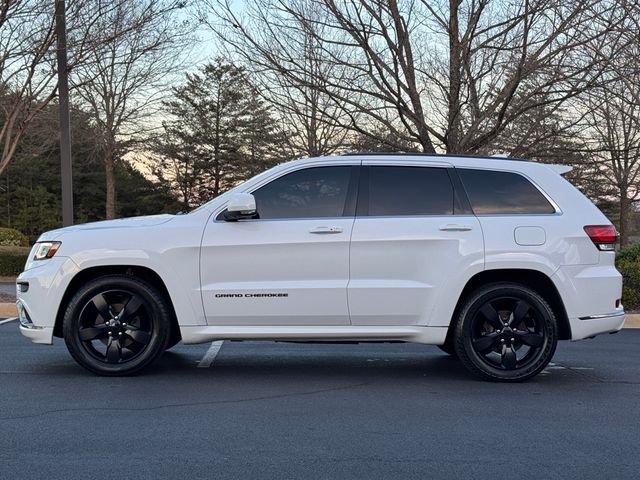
(628, 263)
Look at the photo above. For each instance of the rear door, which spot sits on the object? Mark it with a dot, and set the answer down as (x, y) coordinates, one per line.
(414, 241)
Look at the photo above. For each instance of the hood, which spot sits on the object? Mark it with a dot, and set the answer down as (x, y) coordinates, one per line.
(132, 222)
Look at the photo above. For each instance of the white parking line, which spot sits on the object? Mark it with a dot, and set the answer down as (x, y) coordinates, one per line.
(8, 320)
(211, 354)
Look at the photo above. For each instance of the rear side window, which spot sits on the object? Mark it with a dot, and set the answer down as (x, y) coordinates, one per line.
(502, 193)
(312, 192)
(409, 191)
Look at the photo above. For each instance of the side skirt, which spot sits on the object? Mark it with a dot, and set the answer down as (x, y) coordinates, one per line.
(348, 333)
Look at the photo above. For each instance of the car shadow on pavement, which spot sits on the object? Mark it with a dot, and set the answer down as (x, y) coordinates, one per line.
(242, 363)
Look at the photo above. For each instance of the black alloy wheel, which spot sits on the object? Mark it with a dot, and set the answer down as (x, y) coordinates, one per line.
(116, 325)
(506, 332)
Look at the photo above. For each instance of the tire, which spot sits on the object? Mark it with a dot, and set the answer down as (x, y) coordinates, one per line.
(505, 332)
(116, 325)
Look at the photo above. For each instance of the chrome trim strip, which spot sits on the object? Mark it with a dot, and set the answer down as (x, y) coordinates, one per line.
(606, 315)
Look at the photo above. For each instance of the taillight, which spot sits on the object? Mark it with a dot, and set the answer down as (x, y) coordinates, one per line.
(603, 236)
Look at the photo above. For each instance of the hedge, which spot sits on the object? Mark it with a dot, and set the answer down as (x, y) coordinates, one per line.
(628, 263)
(12, 238)
(12, 260)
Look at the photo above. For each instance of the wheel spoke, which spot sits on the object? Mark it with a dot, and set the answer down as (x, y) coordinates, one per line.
(132, 306)
(531, 339)
(91, 333)
(138, 336)
(519, 313)
(491, 315)
(102, 307)
(509, 358)
(485, 342)
(114, 350)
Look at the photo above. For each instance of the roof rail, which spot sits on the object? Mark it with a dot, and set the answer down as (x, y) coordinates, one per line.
(424, 154)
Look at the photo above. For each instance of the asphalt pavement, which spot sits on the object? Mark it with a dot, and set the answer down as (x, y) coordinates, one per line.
(270, 410)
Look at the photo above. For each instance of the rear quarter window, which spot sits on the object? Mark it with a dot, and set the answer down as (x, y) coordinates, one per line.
(503, 193)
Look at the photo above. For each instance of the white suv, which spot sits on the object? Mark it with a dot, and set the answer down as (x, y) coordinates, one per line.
(493, 260)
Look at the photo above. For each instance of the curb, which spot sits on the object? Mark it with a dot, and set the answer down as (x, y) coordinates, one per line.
(632, 320)
(9, 310)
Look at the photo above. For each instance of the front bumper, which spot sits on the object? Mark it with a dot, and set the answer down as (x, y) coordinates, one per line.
(586, 327)
(38, 304)
(42, 335)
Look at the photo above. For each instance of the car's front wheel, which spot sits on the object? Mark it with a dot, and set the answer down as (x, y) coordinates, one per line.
(506, 332)
(116, 325)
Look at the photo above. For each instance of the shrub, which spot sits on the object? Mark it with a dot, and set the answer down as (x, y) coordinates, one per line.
(12, 260)
(12, 238)
(628, 263)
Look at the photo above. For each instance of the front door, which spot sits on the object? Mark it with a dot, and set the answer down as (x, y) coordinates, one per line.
(290, 266)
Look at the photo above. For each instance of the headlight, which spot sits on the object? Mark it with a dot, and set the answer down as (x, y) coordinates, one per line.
(45, 250)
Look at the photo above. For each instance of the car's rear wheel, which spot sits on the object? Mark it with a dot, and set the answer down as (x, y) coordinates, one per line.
(506, 332)
(116, 325)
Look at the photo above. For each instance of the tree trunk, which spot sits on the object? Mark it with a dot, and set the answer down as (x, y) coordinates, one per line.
(455, 79)
(109, 162)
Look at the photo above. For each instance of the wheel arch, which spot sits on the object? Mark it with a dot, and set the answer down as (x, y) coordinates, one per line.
(534, 279)
(91, 273)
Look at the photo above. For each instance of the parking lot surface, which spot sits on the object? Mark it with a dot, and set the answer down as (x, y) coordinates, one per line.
(277, 410)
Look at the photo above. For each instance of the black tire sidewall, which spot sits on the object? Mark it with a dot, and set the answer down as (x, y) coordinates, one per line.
(159, 317)
(472, 360)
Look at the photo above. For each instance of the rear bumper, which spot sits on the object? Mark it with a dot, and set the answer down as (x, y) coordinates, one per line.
(585, 327)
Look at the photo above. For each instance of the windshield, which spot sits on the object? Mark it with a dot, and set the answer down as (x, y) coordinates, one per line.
(238, 187)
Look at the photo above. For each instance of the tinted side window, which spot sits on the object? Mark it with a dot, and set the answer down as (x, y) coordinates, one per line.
(312, 192)
(492, 192)
(409, 191)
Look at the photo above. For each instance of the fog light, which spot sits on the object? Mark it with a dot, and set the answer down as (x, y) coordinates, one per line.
(23, 315)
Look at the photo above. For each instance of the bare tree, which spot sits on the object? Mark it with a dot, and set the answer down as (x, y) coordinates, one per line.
(26, 35)
(28, 70)
(141, 46)
(314, 119)
(444, 74)
(613, 121)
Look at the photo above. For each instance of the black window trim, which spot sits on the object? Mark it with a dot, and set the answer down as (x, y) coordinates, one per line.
(461, 205)
(350, 201)
(558, 210)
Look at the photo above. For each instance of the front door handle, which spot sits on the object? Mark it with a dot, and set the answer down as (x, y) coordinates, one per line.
(451, 227)
(326, 230)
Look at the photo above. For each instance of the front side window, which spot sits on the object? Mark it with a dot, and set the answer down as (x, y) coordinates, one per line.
(397, 191)
(307, 193)
(502, 193)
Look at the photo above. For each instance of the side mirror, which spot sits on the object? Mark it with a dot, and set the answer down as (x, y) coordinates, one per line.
(240, 206)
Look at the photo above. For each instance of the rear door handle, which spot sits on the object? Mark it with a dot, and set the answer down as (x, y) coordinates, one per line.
(451, 227)
(326, 230)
